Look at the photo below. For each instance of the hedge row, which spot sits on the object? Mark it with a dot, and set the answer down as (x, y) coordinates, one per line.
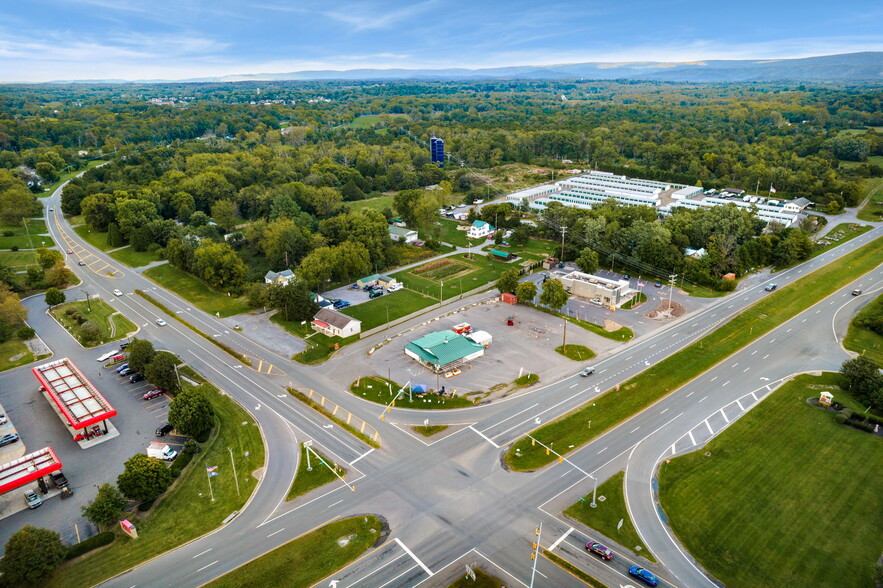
(180, 463)
(205, 336)
(94, 542)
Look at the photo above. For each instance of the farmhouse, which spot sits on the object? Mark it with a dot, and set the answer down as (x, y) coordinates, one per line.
(401, 234)
(443, 350)
(335, 324)
(479, 230)
(282, 277)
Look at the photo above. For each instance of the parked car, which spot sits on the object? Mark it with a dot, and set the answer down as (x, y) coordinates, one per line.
(33, 499)
(368, 287)
(136, 378)
(341, 304)
(856, 292)
(123, 346)
(375, 293)
(81, 262)
(161, 322)
(771, 287)
(657, 284)
(124, 372)
(117, 292)
(643, 575)
(70, 252)
(121, 367)
(3, 419)
(8, 439)
(587, 371)
(395, 287)
(59, 479)
(153, 394)
(164, 430)
(602, 550)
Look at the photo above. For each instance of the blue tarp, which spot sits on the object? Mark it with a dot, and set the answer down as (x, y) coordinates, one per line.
(419, 389)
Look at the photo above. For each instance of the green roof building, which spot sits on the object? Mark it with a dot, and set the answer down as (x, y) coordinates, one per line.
(443, 350)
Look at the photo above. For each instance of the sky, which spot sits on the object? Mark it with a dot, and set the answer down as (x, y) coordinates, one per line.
(44, 40)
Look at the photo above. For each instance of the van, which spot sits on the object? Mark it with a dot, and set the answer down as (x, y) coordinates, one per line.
(161, 451)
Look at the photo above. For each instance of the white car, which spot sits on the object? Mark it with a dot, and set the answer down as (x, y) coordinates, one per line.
(117, 292)
(395, 287)
(3, 419)
(161, 322)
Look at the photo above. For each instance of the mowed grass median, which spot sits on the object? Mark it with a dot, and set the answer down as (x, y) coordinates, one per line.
(195, 291)
(636, 394)
(306, 560)
(786, 498)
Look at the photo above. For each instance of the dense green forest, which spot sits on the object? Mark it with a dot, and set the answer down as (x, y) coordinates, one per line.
(227, 181)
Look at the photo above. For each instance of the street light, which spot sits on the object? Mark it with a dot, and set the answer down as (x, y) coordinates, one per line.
(594, 504)
(88, 302)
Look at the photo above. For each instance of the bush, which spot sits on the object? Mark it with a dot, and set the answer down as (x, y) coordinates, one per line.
(860, 425)
(192, 447)
(840, 418)
(836, 406)
(8, 233)
(847, 413)
(14, 248)
(203, 437)
(145, 506)
(94, 542)
(26, 333)
(181, 462)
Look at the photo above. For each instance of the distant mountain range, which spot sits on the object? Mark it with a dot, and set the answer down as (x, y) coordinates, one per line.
(847, 67)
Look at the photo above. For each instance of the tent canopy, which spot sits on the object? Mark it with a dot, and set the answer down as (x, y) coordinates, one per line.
(419, 388)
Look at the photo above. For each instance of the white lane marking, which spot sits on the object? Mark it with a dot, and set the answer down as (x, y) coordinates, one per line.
(390, 562)
(753, 396)
(788, 331)
(635, 429)
(742, 408)
(746, 369)
(574, 386)
(203, 553)
(753, 352)
(765, 356)
(514, 415)
(361, 456)
(560, 539)
(703, 398)
(723, 414)
(710, 430)
(414, 557)
(664, 411)
(274, 532)
(725, 383)
(714, 378)
(691, 393)
(692, 439)
(602, 451)
(485, 437)
(772, 341)
(394, 579)
(599, 373)
(735, 364)
(208, 566)
(335, 504)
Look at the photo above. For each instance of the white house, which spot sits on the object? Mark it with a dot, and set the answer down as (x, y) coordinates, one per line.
(282, 277)
(479, 230)
(796, 205)
(335, 324)
(402, 234)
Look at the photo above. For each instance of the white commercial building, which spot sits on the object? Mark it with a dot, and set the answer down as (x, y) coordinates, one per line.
(762, 211)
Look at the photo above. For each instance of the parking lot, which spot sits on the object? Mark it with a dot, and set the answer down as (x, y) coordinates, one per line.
(39, 426)
(528, 346)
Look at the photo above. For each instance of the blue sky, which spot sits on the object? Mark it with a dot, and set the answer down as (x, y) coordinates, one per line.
(44, 40)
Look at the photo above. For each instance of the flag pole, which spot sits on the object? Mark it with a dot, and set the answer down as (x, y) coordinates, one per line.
(208, 475)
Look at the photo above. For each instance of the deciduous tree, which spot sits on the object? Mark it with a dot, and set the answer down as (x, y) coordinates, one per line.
(554, 295)
(143, 477)
(191, 412)
(31, 556)
(54, 296)
(107, 506)
(526, 292)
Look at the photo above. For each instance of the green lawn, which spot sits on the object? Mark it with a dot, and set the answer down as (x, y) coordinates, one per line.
(605, 517)
(68, 175)
(25, 237)
(13, 348)
(402, 303)
(873, 210)
(319, 346)
(376, 204)
(450, 233)
(617, 405)
(134, 258)
(382, 391)
(448, 277)
(318, 475)
(93, 237)
(366, 121)
(187, 511)
(18, 259)
(575, 352)
(111, 326)
(839, 235)
(309, 558)
(787, 497)
(866, 341)
(195, 291)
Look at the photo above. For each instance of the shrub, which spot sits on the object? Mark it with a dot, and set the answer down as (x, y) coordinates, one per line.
(836, 406)
(145, 506)
(14, 247)
(840, 418)
(192, 447)
(860, 425)
(94, 542)
(8, 233)
(846, 412)
(181, 462)
(203, 437)
(25, 333)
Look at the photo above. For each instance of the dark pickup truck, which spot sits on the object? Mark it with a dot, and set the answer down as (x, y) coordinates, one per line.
(59, 479)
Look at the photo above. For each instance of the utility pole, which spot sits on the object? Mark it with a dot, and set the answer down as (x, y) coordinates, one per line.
(536, 550)
(563, 231)
(88, 301)
(564, 342)
(671, 287)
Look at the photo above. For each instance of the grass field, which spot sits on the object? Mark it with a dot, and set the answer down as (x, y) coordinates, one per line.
(12, 348)
(575, 352)
(319, 346)
(462, 274)
(23, 237)
(195, 291)
(398, 304)
(787, 497)
(317, 475)
(93, 237)
(382, 391)
(111, 325)
(376, 204)
(18, 259)
(873, 210)
(309, 558)
(366, 121)
(186, 512)
(451, 234)
(839, 235)
(134, 258)
(866, 341)
(617, 405)
(606, 515)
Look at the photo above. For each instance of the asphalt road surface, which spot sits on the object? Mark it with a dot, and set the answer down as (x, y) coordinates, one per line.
(449, 502)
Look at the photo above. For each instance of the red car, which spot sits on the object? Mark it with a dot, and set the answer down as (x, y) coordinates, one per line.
(70, 252)
(153, 394)
(601, 550)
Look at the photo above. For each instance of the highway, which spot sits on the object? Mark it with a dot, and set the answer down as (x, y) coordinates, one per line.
(449, 502)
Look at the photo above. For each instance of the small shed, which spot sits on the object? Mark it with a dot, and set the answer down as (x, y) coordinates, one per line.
(502, 255)
(550, 262)
(508, 298)
(483, 338)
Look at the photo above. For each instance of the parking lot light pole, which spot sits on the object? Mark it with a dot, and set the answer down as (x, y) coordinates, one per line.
(594, 503)
(88, 301)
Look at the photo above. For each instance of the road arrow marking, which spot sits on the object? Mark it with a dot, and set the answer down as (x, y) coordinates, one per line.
(333, 583)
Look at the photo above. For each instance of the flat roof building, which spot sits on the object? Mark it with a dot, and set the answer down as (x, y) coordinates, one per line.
(607, 291)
